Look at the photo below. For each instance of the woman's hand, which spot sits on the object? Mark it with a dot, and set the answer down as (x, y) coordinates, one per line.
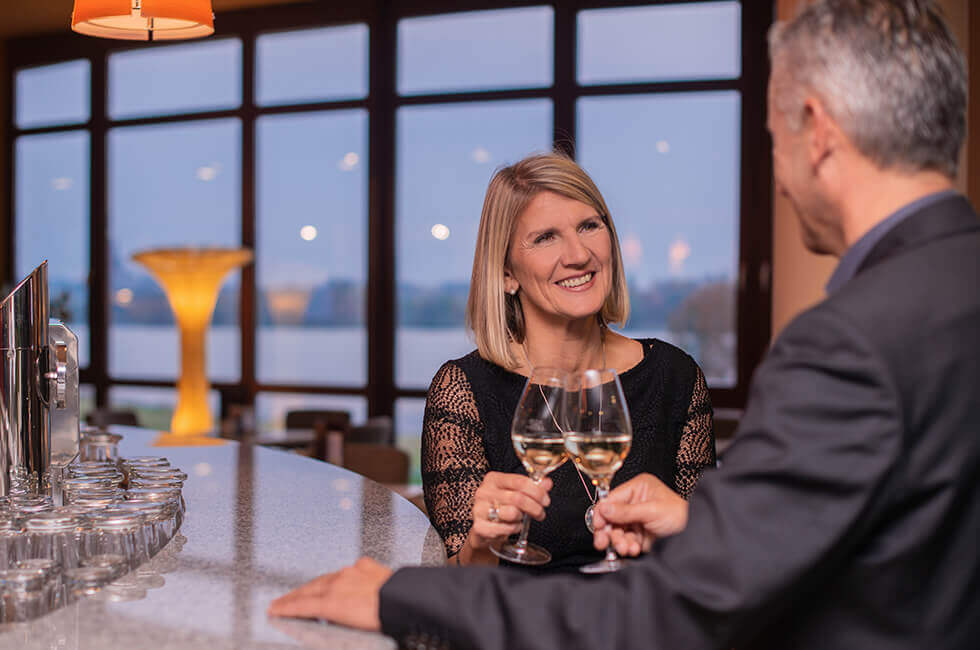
(636, 513)
(501, 502)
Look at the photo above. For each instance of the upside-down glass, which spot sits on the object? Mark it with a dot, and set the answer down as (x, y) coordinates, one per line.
(85, 581)
(110, 474)
(51, 535)
(121, 533)
(167, 494)
(598, 438)
(99, 445)
(23, 595)
(117, 564)
(13, 542)
(159, 520)
(50, 572)
(536, 432)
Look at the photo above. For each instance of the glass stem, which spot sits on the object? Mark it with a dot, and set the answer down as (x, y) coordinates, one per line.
(522, 540)
(521, 543)
(601, 492)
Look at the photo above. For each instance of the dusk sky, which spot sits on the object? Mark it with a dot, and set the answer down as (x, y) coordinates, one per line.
(667, 165)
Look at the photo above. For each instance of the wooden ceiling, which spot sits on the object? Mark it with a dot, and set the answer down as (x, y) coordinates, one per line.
(31, 17)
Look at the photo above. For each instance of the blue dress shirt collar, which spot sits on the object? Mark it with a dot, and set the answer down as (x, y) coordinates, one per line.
(854, 256)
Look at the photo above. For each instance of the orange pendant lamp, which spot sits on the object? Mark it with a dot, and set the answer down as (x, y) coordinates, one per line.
(143, 20)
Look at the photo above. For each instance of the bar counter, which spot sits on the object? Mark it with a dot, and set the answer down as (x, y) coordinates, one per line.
(259, 522)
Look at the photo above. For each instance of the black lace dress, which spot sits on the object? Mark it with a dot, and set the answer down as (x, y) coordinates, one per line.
(466, 433)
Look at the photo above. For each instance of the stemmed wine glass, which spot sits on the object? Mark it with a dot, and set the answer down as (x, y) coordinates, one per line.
(598, 438)
(536, 432)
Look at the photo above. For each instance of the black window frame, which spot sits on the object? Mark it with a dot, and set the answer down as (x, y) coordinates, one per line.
(382, 102)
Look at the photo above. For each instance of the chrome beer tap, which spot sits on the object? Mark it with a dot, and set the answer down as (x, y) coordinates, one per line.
(38, 387)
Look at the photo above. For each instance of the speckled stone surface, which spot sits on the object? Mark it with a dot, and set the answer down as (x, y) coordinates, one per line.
(259, 522)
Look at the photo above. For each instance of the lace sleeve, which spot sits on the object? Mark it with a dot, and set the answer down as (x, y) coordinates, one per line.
(453, 460)
(697, 445)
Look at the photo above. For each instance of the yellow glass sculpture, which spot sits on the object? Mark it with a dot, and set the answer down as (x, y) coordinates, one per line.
(191, 277)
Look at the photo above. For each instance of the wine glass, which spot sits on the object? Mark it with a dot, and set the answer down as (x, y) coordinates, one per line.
(536, 432)
(598, 438)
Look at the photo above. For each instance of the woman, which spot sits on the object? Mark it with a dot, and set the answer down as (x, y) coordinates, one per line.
(547, 277)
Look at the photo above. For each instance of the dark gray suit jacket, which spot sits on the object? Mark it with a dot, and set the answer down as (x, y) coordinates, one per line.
(846, 514)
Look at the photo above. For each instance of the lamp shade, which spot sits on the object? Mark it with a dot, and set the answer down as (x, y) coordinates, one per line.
(143, 20)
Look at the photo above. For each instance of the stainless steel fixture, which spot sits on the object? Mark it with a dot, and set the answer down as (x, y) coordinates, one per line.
(38, 388)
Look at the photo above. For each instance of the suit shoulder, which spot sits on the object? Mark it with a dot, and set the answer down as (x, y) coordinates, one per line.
(915, 294)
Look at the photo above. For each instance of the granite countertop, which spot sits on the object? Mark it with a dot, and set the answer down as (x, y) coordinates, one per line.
(259, 522)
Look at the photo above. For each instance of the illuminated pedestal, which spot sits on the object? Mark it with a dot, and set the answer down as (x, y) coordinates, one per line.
(191, 278)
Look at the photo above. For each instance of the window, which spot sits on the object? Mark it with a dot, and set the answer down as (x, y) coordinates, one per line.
(154, 407)
(408, 432)
(508, 48)
(297, 67)
(447, 154)
(311, 248)
(52, 203)
(198, 76)
(671, 183)
(350, 149)
(186, 193)
(698, 40)
(50, 95)
(668, 160)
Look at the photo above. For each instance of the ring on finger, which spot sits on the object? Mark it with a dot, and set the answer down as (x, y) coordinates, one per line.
(493, 514)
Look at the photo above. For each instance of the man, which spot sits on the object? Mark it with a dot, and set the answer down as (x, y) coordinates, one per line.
(846, 514)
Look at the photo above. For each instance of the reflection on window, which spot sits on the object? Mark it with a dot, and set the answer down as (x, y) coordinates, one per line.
(700, 40)
(154, 407)
(671, 181)
(52, 94)
(312, 248)
(446, 157)
(408, 433)
(170, 185)
(271, 408)
(52, 213)
(170, 79)
(311, 65)
(476, 51)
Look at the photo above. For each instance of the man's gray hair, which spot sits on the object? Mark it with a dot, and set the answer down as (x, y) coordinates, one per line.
(888, 71)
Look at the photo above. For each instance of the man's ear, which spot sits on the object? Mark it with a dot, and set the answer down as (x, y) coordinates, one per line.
(511, 285)
(823, 134)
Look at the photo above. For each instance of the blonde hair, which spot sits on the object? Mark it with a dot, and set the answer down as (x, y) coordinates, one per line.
(494, 316)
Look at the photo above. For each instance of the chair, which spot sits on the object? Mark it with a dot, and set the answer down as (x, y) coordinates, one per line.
(107, 417)
(380, 463)
(378, 430)
(330, 430)
(306, 419)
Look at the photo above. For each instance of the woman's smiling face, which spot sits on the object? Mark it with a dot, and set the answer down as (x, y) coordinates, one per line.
(560, 257)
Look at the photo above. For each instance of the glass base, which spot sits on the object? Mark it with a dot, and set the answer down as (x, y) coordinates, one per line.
(604, 566)
(530, 554)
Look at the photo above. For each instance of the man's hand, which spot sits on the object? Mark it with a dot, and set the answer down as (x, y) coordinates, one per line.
(349, 596)
(636, 513)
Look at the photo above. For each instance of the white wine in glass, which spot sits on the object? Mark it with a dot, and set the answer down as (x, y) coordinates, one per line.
(540, 455)
(599, 457)
(598, 437)
(537, 434)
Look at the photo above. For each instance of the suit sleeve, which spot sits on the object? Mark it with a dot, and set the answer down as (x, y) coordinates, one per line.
(795, 491)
